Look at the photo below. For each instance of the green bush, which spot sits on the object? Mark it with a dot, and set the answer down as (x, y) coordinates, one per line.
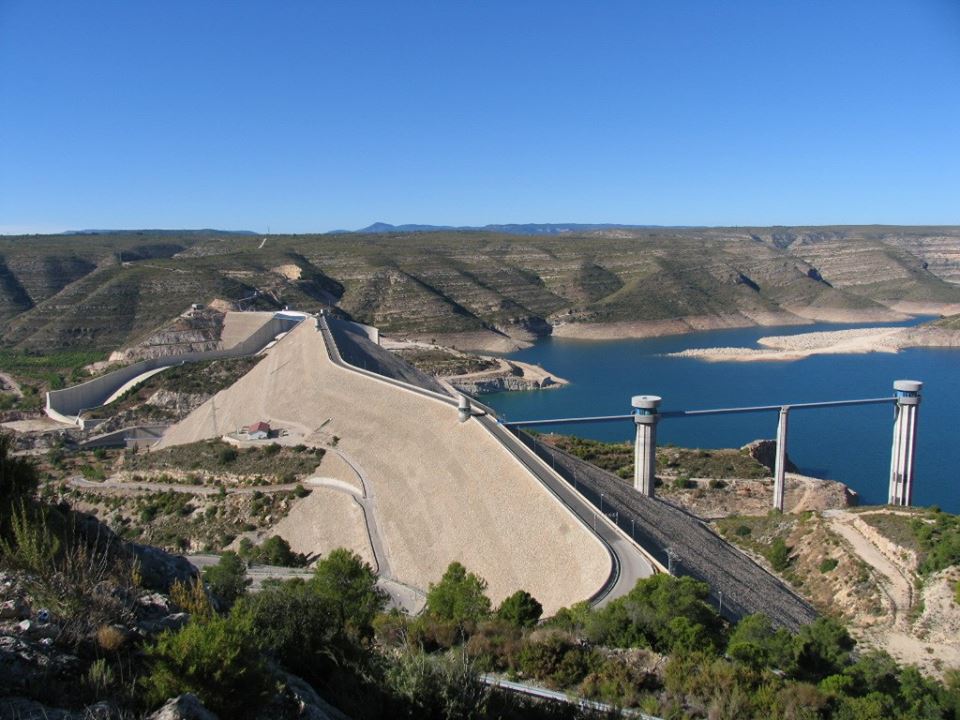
(228, 578)
(273, 551)
(495, 645)
(821, 648)
(425, 686)
(217, 659)
(227, 455)
(779, 555)
(520, 609)
(828, 564)
(742, 531)
(755, 643)
(557, 659)
(938, 535)
(663, 612)
(459, 596)
(18, 482)
(294, 625)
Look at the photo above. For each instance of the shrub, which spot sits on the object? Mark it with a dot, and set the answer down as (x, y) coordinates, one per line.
(271, 449)
(300, 491)
(520, 609)
(495, 645)
(227, 455)
(100, 677)
(110, 638)
(556, 659)
(779, 555)
(228, 578)
(273, 551)
(742, 531)
(459, 596)
(216, 658)
(828, 564)
(18, 482)
(822, 648)
(755, 643)
(33, 545)
(436, 687)
(292, 623)
(617, 681)
(191, 597)
(663, 612)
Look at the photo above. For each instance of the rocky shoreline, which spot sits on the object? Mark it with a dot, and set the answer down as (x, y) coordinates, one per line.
(831, 342)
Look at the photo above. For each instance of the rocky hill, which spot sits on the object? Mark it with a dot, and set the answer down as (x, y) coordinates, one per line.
(481, 288)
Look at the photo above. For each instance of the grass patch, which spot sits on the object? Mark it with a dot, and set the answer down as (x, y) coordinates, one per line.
(434, 361)
(281, 464)
(672, 462)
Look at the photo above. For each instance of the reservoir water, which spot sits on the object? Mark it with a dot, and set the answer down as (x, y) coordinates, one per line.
(847, 444)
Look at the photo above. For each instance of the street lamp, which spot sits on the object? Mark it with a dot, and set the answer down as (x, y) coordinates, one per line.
(601, 502)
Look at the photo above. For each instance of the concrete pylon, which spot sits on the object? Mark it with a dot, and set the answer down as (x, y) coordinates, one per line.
(645, 417)
(780, 466)
(904, 441)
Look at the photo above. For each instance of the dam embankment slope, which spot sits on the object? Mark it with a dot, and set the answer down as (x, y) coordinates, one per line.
(443, 490)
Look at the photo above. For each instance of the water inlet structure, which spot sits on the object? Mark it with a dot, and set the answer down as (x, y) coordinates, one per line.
(646, 415)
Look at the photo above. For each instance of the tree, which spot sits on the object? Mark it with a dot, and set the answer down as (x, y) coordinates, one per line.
(228, 578)
(349, 585)
(754, 642)
(293, 624)
(521, 609)
(276, 551)
(459, 596)
(822, 648)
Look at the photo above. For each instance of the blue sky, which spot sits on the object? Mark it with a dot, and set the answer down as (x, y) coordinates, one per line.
(309, 116)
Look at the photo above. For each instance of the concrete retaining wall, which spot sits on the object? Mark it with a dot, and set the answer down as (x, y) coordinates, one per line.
(67, 404)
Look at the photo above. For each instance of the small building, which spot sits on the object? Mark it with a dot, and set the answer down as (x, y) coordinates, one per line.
(257, 431)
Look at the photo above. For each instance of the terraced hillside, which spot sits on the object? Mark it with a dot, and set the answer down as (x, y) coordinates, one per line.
(100, 291)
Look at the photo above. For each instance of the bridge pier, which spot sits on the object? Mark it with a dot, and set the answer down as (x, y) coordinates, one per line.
(645, 417)
(902, 453)
(780, 466)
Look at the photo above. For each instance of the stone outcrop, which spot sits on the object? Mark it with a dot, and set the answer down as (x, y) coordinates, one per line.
(765, 453)
(183, 707)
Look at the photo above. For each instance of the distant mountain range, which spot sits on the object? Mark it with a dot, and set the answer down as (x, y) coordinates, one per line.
(106, 289)
(144, 231)
(510, 229)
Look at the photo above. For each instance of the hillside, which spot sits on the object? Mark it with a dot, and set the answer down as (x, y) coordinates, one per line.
(478, 288)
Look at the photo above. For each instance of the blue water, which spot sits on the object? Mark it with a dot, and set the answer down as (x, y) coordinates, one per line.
(847, 444)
